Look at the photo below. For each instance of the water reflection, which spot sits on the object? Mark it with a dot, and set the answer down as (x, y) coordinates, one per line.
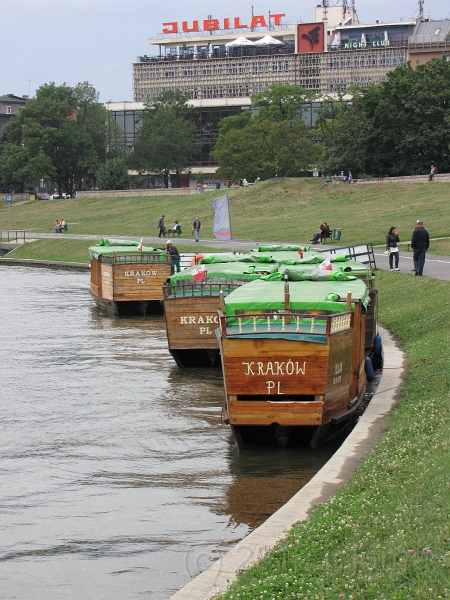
(118, 478)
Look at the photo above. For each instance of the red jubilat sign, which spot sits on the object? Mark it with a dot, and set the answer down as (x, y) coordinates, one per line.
(214, 24)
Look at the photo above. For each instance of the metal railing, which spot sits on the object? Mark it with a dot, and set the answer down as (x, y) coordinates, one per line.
(192, 289)
(136, 259)
(12, 235)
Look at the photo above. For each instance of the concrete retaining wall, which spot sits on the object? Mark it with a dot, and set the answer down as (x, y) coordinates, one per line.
(134, 193)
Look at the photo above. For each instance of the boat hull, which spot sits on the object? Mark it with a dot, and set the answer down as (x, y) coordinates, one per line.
(129, 289)
(283, 391)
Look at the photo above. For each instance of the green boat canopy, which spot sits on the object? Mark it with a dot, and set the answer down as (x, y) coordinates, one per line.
(260, 296)
(108, 247)
(231, 270)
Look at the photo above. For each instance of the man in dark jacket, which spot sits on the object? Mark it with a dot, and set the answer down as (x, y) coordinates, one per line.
(175, 257)
(162, 229)
(420, 242)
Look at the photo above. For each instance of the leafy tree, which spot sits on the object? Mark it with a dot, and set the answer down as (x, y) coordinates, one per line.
(166, 139)
(270, 139)
(281, 103)
(113, 175)
(397, 127)
(265, 149)
(65, 125)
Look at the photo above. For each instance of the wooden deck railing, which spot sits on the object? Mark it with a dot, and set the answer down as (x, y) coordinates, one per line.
(285, 322)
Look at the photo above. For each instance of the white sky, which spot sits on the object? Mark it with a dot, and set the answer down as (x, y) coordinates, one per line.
(98, 40)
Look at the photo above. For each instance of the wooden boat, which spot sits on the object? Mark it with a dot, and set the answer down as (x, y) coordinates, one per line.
(126, 280)
(293, 357)
(190, 307)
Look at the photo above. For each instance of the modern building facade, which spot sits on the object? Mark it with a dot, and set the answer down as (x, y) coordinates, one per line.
(219, 64)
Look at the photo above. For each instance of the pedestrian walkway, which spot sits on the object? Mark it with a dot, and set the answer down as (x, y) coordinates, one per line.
(436, 267)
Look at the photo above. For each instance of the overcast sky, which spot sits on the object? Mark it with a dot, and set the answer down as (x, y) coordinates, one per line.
(98, 40)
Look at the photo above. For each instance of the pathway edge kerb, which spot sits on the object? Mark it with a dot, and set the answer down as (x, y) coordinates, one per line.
(54, 264)
(322, 486)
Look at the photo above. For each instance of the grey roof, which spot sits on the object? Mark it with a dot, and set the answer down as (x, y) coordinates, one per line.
(427, 31)
(12, 98)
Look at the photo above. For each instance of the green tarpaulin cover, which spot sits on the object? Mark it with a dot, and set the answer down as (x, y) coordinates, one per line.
(263, 295)
(107, 247)
(231, 270)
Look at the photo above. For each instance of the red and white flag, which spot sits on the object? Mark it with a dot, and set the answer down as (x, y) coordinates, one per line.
(199, 273)
(140, 245)
(326, 264)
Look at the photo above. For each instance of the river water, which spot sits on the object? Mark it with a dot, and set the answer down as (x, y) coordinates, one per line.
(117, 478)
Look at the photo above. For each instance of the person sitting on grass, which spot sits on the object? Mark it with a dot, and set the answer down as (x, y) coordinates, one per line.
(58, 226)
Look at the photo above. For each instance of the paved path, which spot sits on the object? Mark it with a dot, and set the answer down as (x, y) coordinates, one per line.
(437, 267)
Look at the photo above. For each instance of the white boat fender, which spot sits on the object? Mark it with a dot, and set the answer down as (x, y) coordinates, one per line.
(369, 368)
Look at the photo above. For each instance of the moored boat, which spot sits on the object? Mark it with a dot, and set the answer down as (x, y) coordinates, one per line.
(293, 356)
(127, 278)
(191, 305)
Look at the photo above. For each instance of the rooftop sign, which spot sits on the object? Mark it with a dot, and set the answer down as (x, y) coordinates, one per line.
(215, 24)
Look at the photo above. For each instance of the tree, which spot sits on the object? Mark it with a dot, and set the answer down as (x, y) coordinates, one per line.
(113, 175)
(65, 125)
(166, 139)
(400, 126)
(264, 149)
(281, 103)
(270, 139)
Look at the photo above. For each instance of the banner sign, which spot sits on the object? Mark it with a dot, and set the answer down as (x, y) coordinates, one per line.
(230, 24)
(222, 221)
(310, 37)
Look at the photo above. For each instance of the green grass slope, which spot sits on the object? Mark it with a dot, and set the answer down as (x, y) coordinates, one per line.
(385, 535)
(288, 210)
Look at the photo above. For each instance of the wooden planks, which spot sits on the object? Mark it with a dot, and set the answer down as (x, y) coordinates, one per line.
(138, 282)
(265, 413)
(339, 376)
(191, 322)
(265, 367)
(107, 287)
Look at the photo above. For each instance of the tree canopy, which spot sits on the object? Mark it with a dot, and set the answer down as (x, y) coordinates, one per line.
(59, 135)
(398, 127)
(269, 140)
(166, 139)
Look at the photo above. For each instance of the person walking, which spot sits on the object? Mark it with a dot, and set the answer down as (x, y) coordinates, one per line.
(392, 240)
(196, 226)
(162, 229)
(420, 242)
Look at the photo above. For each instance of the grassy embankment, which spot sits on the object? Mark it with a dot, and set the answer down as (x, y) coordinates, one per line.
(385, 535)
(288, 210)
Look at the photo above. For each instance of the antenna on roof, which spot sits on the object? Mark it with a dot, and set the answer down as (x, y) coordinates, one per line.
(420, 17)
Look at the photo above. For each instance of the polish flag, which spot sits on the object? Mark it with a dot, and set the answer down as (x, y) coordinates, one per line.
(326, 264)
(199, 273)
(140, 245)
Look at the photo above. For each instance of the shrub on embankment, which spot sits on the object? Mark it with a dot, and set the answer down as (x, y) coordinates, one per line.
(385, 535)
